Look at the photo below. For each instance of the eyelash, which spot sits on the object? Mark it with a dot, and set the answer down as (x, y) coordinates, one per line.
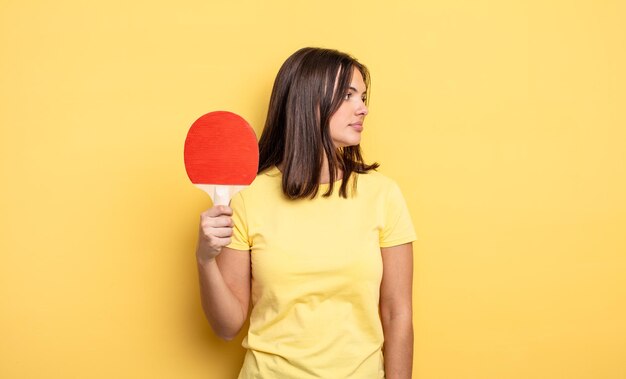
(349, 95)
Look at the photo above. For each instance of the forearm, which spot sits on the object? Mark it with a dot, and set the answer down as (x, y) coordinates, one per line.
(398, 346)
(222, 309)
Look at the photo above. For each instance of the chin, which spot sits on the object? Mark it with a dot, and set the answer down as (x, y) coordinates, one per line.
(348, 141)
(347, 144)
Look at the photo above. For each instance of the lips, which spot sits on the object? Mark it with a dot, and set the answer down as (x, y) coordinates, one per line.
(357, 126)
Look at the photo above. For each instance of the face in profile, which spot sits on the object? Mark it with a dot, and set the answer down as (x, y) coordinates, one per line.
(346, 124)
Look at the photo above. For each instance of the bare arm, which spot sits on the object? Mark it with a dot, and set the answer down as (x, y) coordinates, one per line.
(224, 274)
(396, 310)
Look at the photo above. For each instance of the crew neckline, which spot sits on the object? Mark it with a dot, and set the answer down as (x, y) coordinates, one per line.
(275, 171)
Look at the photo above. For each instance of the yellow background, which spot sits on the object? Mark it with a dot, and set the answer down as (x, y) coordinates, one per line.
(502, 121)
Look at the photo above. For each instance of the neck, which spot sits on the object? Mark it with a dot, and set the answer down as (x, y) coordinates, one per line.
(324, 173)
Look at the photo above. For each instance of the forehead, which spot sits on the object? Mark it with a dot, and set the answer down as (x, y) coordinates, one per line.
(357, 80)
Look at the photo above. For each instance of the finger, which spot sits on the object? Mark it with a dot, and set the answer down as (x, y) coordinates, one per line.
(219, 210)
(217, 222)
(222, 242)
(220, 232)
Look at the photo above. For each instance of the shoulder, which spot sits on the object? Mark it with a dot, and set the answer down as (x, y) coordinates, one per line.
(374, 180)
(265, 184)
(375, 176)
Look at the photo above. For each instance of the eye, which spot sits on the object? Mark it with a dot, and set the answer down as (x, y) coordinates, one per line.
(364, 98)
(347, 96)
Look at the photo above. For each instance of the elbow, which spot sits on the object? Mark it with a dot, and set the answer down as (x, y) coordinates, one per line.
(226, 337)
(401, 320)
(397, 315)
(227, 334)
(226, 328)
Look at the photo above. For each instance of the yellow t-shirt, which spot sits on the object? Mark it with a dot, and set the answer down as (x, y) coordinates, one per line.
(316, 273)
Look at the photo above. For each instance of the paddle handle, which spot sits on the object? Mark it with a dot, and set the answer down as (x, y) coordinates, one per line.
(221, 195)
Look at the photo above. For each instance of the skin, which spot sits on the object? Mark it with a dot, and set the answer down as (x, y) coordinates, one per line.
(346, 124)
(225, 276)
(396, 310)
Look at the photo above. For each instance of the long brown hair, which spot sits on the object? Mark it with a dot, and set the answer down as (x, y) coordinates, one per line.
(296, 131)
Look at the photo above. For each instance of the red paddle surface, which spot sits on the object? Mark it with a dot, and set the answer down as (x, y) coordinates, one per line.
(221, 148)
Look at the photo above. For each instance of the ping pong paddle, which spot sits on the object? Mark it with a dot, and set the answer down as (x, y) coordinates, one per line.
(221, 155)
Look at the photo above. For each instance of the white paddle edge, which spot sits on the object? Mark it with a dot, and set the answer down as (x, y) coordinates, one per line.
(220, 194)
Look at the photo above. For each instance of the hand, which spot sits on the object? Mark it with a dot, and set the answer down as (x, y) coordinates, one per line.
(216, 227)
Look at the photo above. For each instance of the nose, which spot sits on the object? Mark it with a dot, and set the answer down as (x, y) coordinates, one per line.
(362, 109)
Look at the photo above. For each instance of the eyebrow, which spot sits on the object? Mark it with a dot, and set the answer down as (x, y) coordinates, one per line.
(355, 90)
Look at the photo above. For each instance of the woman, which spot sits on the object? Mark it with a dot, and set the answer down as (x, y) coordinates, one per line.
(320, 242)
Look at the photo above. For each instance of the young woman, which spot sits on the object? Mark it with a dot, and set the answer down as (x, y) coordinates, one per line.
(320, 242)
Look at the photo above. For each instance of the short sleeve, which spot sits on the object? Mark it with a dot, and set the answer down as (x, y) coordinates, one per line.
(239, 239)
(398, 227)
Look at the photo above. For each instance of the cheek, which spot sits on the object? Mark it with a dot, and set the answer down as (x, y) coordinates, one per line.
(340, 119)
(334, 120)
(337, 122)
(340, 116)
